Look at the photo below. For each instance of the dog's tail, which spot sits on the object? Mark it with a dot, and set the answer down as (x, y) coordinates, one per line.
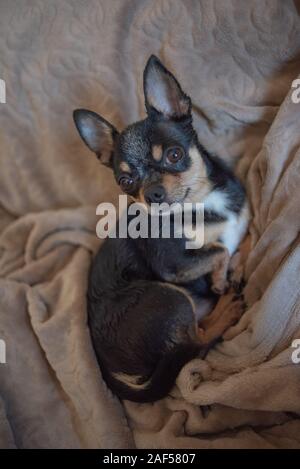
(161, 381)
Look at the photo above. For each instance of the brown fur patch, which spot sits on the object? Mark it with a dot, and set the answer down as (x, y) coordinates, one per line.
(226, 313)
(125, 167)
(172, 184)
(157, 152)
(140, 197)
(195, 179)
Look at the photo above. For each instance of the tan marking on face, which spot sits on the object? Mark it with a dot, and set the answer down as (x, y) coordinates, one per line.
(195, 179)
(173, 187)
(157, 152)
(140, 197)
(125, 167)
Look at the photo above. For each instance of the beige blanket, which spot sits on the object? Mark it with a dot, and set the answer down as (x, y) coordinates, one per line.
(237, 60)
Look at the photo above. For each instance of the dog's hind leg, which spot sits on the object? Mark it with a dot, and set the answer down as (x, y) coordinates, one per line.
(226, 313)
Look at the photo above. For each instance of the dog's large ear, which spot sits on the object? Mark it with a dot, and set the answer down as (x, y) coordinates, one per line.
(163, 92)
(97, 134)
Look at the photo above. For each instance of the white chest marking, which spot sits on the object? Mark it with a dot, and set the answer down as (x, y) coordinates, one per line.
(234, 229)
(216, 201)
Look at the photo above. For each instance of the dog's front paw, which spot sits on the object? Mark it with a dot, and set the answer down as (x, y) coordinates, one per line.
(219, 286)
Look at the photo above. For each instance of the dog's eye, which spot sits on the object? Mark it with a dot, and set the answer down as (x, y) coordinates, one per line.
(126, 183)
(174, 154)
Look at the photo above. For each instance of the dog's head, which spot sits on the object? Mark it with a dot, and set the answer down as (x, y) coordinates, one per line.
(157, 159)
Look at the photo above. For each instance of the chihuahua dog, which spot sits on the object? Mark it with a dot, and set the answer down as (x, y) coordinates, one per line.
(146, 295)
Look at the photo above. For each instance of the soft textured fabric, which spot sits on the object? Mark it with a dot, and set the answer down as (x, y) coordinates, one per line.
(237, 61)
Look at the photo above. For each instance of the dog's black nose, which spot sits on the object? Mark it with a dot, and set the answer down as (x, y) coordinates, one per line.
(155, 194)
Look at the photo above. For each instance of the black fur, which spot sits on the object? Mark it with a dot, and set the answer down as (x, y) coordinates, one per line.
(140, 325)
